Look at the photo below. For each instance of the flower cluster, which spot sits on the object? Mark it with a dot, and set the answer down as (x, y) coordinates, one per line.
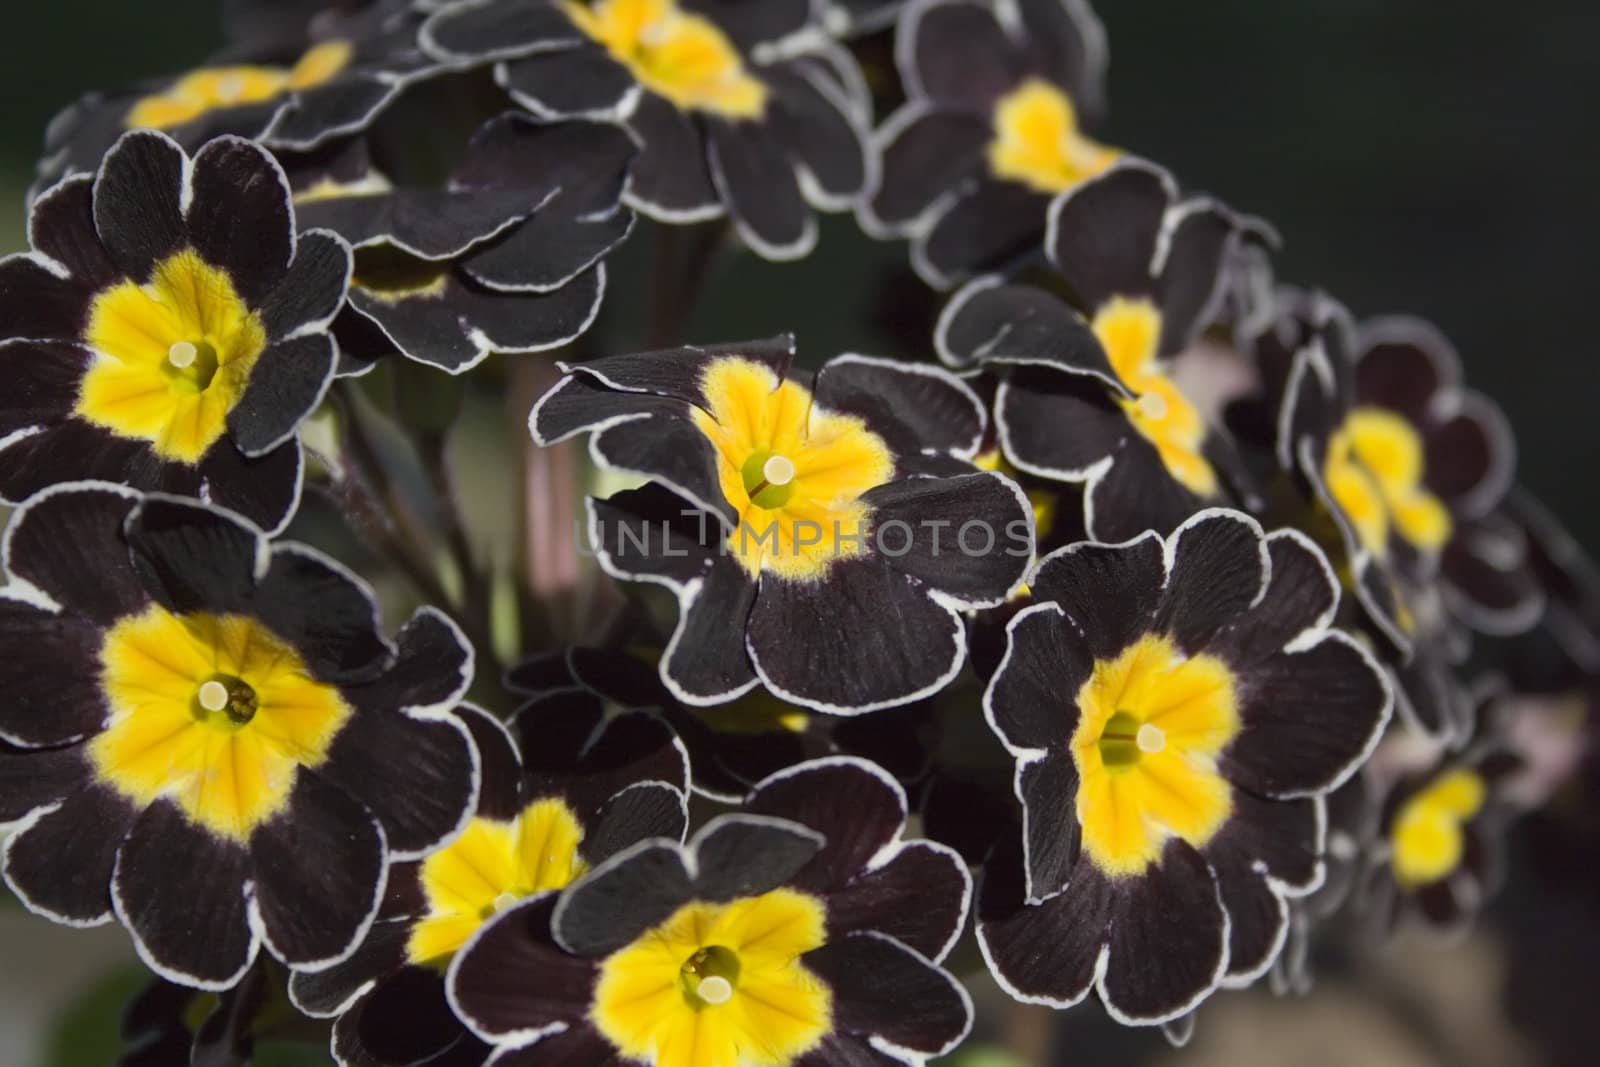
(1158, 598)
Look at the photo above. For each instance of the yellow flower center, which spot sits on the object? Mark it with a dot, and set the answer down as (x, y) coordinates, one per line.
(1130, 333)
(1037, 141)
(719, 985)
(172, 357)
(1151, 725)
(793, 471)
(1428, 840)
(682, 57)
(213, 711)
(1373, 471)
(217, 88)
(491, 866)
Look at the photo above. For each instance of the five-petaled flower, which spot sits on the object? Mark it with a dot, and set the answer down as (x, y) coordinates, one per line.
(799, 930)
(1177, 709)
(564, 789)
(169, 329)
(1439, 848)
(328, 78)
(998, 95)
(821, 538)
(1376, 421)
(1089, 394)
(746, 108)
(209, 737)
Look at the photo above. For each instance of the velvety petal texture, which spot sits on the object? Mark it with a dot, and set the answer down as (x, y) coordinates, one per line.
(175, 327)
(1185, 700)
(507, 257)
(778, 130)
(794, 518)
(250, 753)
(998, 102)
(806, 885)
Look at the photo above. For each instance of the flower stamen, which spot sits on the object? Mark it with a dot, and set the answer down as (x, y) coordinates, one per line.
(776, 472)
(1153, 406)
(213, 696)
(182, 355)
(714, 989)
(230, 88)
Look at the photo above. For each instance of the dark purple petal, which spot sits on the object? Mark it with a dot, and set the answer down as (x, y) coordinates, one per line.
(913, 407)
(756, 181)
(39, 304)
(264, 489)
(43, 379)
(1302, 594)
(934, 877)
(862, 636)
(857, 809)
(1219, 565)
(1103, 233)
(1308, 719)
(62, 861)
(927, 155)
(318, 866)
(671, 181)
(240, 218)
(967, 537)
(958, 54)
(1111, 592)
(990, 227)
(183, 893)
(313, 289)
(417, 775)
(286, 384)
(582, 82)
(61, 226)
(1048, 789)
(883, 989)
(1032, 698)
(138, 202)
(512, 979)
(50, 675)
(1157, 968)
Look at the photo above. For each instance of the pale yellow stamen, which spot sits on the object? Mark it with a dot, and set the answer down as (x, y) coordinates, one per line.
(1153, 405)
(230, 87)
(1150, 738)
(778, 470)
(213, 696)
(504, 901)
(714, 990)
(182, 354)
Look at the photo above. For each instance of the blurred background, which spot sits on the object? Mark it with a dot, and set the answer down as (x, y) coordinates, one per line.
(1417, 157)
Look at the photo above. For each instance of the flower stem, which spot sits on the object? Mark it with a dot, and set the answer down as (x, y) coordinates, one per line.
(364, 491)
(678, 285)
